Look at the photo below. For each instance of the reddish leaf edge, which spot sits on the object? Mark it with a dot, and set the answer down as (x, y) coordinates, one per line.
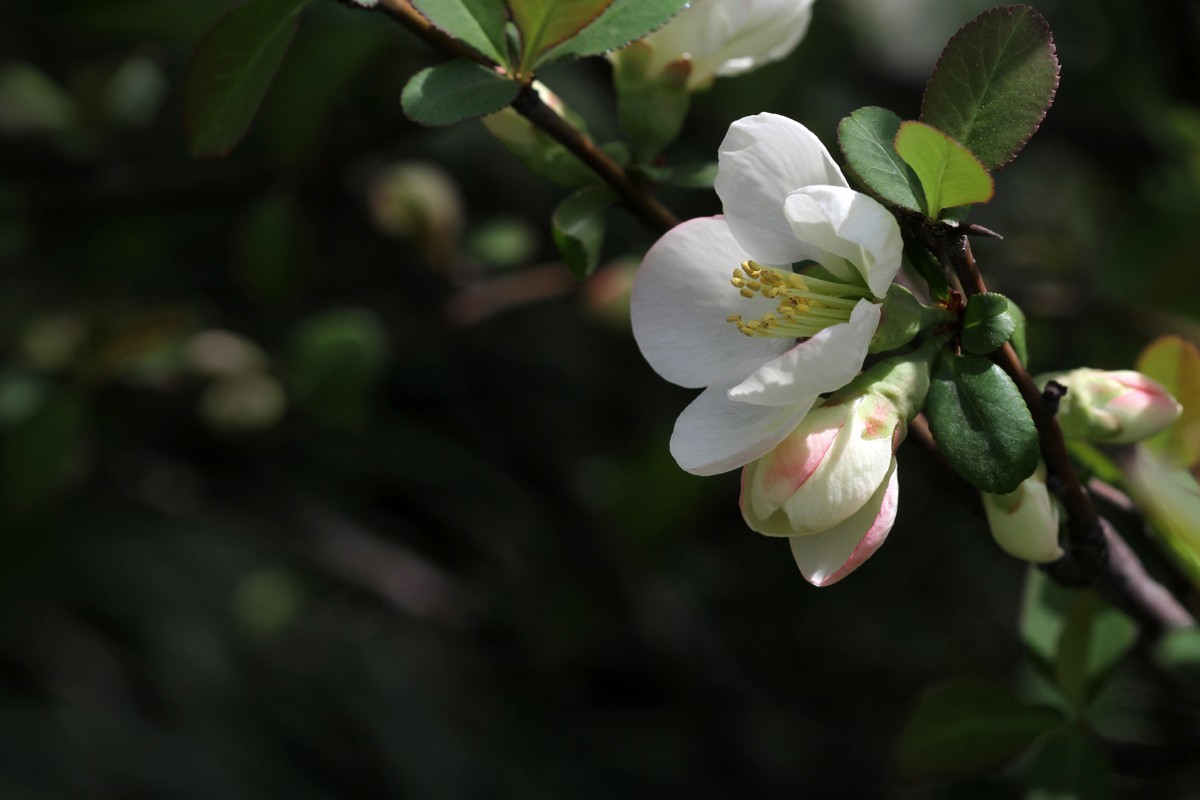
(1008, 10)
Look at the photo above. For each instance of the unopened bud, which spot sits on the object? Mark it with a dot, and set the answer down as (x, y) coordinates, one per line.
(1025, 522)
(1113, 407)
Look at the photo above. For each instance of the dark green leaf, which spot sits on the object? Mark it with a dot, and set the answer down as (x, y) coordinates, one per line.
(479, 23)
(1180, 650)
(336, 357)
(544, 24)
(578, 226)
(867, 138)
(987, 323)
(1018, 336)
(455, 91)
(967, 727)
(1069, 767)
(950, 174)
(994, 83)
(620, 24)
(981, 423)
(231, 70)
(38, 452)
(1043, 615)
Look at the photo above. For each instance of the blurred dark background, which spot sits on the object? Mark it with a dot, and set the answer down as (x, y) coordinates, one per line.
(323, 479)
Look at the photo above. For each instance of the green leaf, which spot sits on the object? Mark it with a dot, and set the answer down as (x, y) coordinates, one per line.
(1043, 614)
(623, 22)
(578, 226)
(987, 323)
(650, 107)
(867, 139)
(1018, 336)
(455, 91)
(1175, 363)
(335, 359)
(981, 424)
(1069, 767)
(949, 173)
(967, 727)
(231, 70)
(1179, 650)
(544, 24)
(479, 23)
(994, 83)
(926, 265)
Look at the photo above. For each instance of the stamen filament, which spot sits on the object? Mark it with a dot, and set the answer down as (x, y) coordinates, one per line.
(806, 305)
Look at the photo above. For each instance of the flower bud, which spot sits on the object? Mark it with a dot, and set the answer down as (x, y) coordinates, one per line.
(719, 38)
(830, 483)
(1025, 522)
(1112, 407)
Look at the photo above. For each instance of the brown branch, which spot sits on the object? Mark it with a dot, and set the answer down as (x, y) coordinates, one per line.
(636, 197)
(644, 205)
(1094, 553)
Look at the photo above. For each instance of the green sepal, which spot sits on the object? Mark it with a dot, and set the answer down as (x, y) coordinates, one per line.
(904, 317)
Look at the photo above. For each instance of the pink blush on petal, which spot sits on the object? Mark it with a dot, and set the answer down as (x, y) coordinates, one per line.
(794, 462)
(874, 536)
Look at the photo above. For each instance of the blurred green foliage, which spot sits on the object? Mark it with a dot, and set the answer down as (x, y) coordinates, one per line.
(300, 503)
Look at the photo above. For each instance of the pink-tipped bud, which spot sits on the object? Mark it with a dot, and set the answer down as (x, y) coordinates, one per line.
(1113, 407)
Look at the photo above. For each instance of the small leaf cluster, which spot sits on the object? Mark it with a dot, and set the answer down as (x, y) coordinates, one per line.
(988, 94)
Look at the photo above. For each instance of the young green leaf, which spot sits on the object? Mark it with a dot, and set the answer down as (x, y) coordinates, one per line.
(456, 90)
(967, 727)
(987, 323)
(231, 70)
(981, 424)
(621, 23)
(479, 23)
(578, 227)
(1069, 765)
(867, 139)
(994, 83)
(950, 174)
(544, 24)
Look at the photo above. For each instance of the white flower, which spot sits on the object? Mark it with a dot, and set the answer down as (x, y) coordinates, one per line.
(830, 486)
(785, 201)
(720, 38)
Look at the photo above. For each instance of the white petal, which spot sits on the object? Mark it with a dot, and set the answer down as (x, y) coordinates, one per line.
(681, 297)
(825, 558)
(849, 225)
(715, 434)
(760, 32)
(849, 475)
(763, 159)
(826, 362)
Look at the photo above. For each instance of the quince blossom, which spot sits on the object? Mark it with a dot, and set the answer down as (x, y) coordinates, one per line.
(830, 487)
(721, 38)
(1112, 406)
(785, 202)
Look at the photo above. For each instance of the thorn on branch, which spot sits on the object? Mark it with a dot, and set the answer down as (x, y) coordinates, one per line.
(1052, 396)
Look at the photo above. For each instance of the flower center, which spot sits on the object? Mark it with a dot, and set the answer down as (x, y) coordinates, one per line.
(807, 305)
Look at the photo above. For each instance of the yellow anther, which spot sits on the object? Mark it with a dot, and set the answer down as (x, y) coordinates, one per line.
(746, 293)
